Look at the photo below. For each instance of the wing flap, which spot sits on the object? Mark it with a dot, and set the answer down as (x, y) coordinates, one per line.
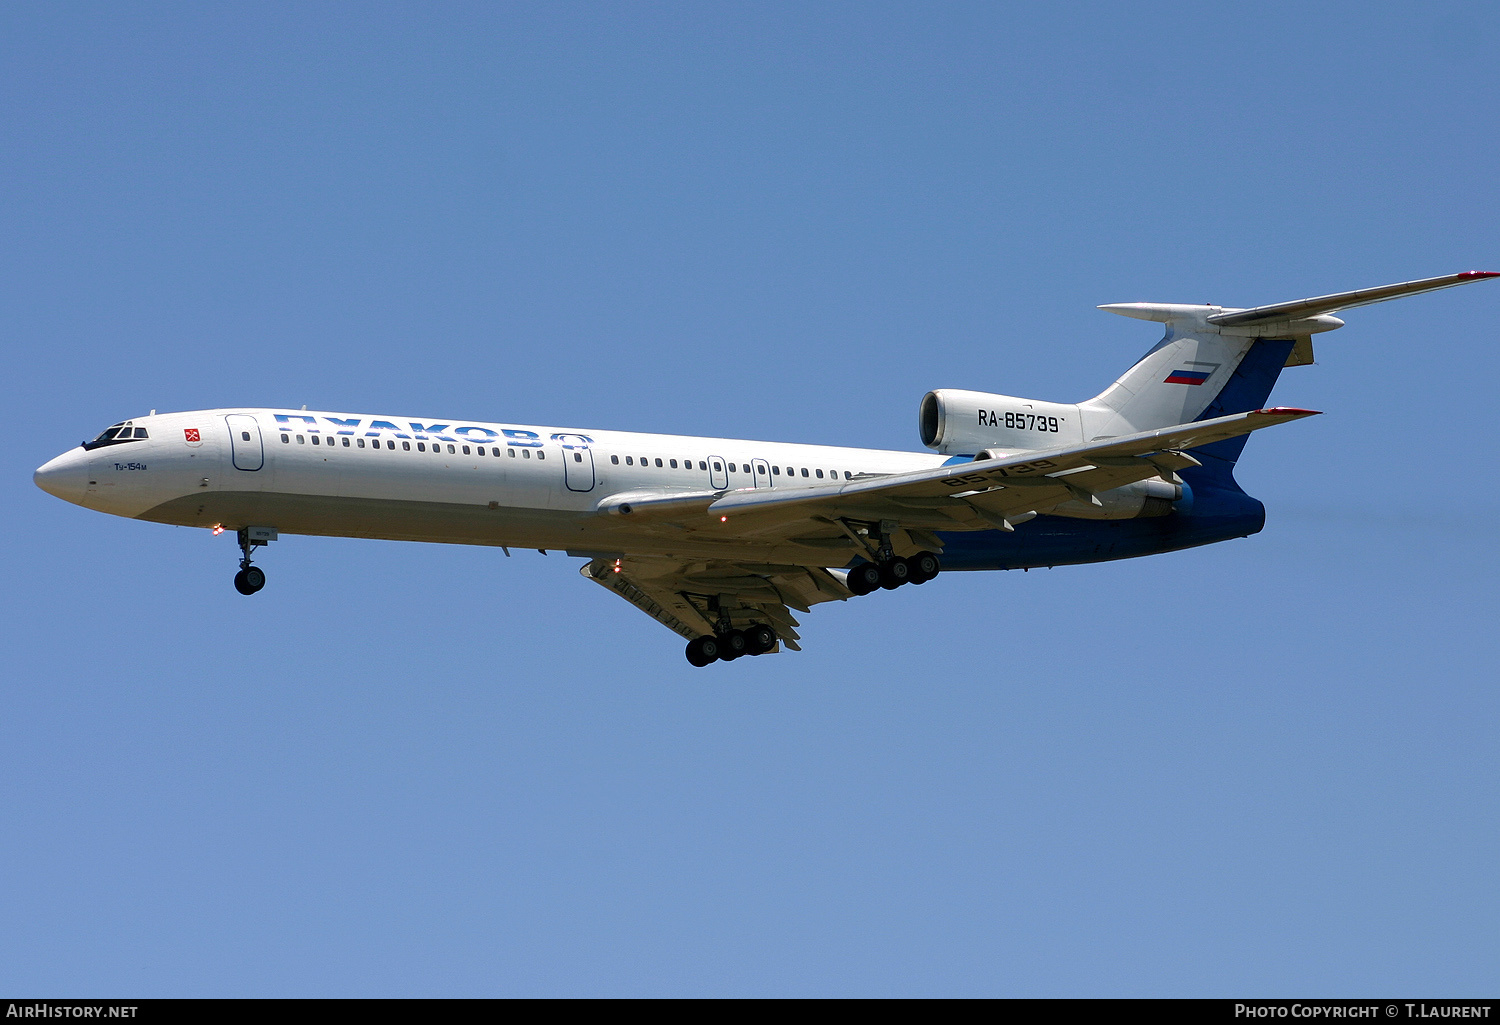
(689, 598)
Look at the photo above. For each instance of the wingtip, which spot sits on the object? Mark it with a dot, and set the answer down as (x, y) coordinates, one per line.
(1470, 275)
(1289, 411)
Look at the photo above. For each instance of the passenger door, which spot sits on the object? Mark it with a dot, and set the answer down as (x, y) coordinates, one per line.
(578, 461)
(718, 476)
(761, 471)
(245, 442)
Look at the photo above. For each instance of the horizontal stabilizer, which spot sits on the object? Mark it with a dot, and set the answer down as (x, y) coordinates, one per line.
(1304, 309)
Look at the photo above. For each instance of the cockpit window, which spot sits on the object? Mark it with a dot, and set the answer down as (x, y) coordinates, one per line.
(115, 435)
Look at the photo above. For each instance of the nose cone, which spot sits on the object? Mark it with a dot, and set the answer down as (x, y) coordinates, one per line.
(66, 477)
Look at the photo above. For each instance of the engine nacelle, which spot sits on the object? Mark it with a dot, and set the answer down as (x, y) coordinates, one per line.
(966, 422)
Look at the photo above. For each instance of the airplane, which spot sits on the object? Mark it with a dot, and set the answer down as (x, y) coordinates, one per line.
(721, 540)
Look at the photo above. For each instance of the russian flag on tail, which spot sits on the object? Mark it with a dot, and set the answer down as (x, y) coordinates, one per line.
(1192, 373)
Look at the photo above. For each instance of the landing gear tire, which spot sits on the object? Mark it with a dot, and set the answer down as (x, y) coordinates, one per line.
(760, 639)
(894, 573)
(249, 580)
(864, 578)
(732, 645)
(702, 651)
(924, 566)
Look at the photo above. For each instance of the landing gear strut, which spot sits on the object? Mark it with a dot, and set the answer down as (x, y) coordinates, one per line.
(252, 578)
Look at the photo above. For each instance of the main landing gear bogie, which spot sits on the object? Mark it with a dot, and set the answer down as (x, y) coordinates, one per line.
(730, 645)
(893, 572)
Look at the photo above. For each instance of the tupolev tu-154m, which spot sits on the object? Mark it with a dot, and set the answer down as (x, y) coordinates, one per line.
(722, 540)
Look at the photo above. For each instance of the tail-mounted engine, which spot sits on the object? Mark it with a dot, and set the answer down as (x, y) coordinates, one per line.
(967, 422)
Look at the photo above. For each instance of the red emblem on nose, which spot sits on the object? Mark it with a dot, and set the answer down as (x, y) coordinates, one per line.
(191, 433)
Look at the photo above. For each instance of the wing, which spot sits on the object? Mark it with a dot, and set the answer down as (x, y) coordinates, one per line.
(829, 526)
(982, 495)
(693, 597)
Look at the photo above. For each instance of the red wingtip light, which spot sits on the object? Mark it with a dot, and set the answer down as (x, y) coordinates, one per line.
(218, 529)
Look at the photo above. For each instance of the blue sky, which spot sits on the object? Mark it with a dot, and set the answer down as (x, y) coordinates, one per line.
(1266, 767)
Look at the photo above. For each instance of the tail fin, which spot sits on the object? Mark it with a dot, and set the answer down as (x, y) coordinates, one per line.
(1215, 361)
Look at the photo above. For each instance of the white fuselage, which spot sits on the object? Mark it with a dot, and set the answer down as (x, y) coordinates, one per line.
(443, 480)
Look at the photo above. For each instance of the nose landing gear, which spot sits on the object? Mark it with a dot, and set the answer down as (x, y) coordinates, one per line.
(252, 578)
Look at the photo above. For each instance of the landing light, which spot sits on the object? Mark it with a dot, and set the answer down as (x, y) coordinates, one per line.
(218, 529)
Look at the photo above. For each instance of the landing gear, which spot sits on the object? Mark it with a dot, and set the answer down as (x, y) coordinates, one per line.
(252, 578)
(249, 580)
(732, 645)
(924, 566)
(729, 645)
(759, 639)
(864, 578)
(702, 651)
(893, 571)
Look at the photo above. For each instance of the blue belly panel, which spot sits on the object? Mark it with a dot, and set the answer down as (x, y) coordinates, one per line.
(1206, 514)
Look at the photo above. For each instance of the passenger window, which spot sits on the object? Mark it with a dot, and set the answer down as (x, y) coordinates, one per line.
(540, 454)
(315, 440)
(674, 463)
(731, 467)
(495, 453)
(630, 460)
(526, 453)
(450, 450)
(804, 471)
(511, 452)
(848, 475)
(776, 470)
(406, 446)
(615, 460)
(286, 439)
(301, 440)
(820, 475)
(466, 450)
(245, 435)
(717, 465)
(421, 446)
(658, 462)
(577, 457)
(359, 442)
(391, 445)
(702, 465)
(479, 449)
